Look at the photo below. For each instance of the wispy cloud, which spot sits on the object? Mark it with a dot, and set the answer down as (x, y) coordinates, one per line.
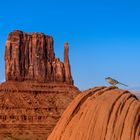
(2, 80)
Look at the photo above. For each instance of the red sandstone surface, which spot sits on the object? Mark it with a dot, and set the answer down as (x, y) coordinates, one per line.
(30, 56)
(101, 113)
(31, 110)
(38, 87)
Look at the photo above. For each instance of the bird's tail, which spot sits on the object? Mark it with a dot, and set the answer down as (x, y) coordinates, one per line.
(123, 84)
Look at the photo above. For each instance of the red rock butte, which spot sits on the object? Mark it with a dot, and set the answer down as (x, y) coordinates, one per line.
(31, 57)
(101, 113)
(38, 87)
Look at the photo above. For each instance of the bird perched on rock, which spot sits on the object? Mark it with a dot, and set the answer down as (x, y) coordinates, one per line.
(114, 82)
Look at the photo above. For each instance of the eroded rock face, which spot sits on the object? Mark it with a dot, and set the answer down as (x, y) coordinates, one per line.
(31, 110)
(100, 113)
(38, 87)
(68, 75)
(30, 56)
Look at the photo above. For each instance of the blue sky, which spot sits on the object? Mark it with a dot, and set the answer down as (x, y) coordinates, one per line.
(104, 35)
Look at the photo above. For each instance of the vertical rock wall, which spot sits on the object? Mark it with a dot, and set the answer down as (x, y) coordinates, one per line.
(31, 57)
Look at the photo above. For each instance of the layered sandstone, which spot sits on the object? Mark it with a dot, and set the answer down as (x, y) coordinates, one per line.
(31, 110)
(31, 57)
(38, 87)
(101, 113)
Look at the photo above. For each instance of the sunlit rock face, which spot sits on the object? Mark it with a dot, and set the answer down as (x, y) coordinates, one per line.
(38, 87)
(30, 56)
(101, 113)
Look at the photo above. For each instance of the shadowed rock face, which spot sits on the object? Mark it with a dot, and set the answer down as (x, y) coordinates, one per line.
(100, 113)
(30, 56)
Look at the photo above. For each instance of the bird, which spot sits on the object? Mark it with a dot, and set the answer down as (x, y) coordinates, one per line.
(114, 82)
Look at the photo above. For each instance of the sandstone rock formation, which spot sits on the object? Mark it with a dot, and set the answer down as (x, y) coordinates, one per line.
(30, 56)
(100, 113)
(31, 110)
(66, 64)
(38, 87)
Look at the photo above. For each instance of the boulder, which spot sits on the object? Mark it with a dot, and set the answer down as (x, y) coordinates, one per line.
(101, 113)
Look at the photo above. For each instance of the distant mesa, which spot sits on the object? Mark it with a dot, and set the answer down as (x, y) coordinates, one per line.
(101, 113)
(136, 92)
(31, 57)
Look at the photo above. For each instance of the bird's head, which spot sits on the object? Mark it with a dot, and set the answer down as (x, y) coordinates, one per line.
(107, 78)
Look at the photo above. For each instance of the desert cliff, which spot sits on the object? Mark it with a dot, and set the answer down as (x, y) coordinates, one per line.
(38, 86)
